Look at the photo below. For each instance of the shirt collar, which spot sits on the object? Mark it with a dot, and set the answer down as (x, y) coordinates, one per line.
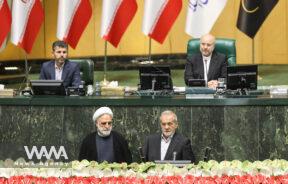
(59, 68)
(207, 58)
(168, 139)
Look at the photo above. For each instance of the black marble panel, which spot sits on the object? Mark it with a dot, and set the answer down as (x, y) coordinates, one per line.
(14, 131)
(206, 123)
(240, 135)
(273, 133)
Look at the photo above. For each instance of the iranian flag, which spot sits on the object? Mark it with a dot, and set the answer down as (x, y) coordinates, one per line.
(5, 21)
(159, 17)
(73, 17)
(27, 18)
(116, 17)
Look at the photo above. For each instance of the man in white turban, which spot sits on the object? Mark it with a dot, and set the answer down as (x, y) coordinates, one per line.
(105, 144)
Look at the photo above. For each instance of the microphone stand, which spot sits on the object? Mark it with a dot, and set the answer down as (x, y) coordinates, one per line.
(207, 154)
(140, 151)
(27, 90)
(153, 85)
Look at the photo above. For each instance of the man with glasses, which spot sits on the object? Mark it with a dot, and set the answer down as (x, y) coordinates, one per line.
(168, 145)
(105, 144)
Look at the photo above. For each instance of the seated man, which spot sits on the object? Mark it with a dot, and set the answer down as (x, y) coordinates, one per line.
(60, 68)
(105, 144)
(169, 144)
(207, 64)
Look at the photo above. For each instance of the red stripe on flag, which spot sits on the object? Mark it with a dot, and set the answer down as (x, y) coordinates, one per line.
(122, 19)
(80, 20)
(5, 21)
(33, 26)
(166, 20)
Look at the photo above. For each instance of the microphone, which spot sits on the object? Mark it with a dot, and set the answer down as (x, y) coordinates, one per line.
(169, 83)
(207, 154)
(27, 91)
(153, 84)
(174, 155)
(140, 151)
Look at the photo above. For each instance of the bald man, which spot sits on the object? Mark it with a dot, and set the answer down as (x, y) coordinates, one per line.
(207, 64)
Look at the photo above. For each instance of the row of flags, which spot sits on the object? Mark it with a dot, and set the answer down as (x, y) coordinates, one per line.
(159, 16)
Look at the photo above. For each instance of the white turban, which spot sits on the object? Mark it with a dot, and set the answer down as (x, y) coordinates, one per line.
(102, 110)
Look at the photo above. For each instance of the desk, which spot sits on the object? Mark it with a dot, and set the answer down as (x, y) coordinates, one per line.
(252, 128)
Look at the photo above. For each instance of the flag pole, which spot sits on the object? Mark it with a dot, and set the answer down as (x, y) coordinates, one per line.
(105, 82)
(253, 52)
(253, 57)
(149, 54)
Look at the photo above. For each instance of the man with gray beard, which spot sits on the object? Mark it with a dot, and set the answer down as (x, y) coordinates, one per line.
(105, 144)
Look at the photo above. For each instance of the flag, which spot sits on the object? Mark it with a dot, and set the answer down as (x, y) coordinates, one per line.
(27, 18)
(116, 17)
(159, 17)
(73, 17)
(252, 15)
(202, 15)
(5, 21)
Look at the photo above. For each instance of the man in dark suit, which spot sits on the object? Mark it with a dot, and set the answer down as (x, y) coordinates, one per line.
(61, 68)
(168, 145)
(207, 64)
(105, 144)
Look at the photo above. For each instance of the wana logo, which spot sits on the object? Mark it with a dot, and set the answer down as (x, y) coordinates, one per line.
(44, 153)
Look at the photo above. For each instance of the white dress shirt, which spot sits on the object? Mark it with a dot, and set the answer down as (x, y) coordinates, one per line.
(165, 142)
(206, 64)
(58, 72)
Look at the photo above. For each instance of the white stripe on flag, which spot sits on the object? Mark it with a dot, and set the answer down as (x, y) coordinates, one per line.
(66, 11)
(109, 9)
(152, 11)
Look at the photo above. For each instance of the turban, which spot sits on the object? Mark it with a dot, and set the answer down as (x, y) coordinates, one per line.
(102, 110)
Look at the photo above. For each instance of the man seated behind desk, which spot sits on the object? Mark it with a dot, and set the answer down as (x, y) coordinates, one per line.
(169, 143)
(105, 144)
(61, 68)
(207, 64)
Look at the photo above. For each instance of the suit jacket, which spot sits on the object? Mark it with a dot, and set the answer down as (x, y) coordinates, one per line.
(88, 148)
(179, 144)
(194, 68)
(70, 73)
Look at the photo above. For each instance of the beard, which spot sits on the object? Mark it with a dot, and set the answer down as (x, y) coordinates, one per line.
(104, 132)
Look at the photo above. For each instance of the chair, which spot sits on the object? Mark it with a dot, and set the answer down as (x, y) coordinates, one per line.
(86, 70)
(222, 45)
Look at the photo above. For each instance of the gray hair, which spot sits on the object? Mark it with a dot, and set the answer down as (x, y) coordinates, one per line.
(169, 112)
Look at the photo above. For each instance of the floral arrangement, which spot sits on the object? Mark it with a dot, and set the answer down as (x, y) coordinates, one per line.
(266, 171)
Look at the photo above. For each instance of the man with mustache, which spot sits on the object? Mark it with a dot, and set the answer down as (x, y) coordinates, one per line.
(61, 68)
(105, 144)
(169, 144)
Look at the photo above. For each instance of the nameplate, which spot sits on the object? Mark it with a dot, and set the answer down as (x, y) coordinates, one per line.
(199, 90)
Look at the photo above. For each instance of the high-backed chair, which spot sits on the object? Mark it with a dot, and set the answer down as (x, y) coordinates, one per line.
(222, 45)
(86, 70)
